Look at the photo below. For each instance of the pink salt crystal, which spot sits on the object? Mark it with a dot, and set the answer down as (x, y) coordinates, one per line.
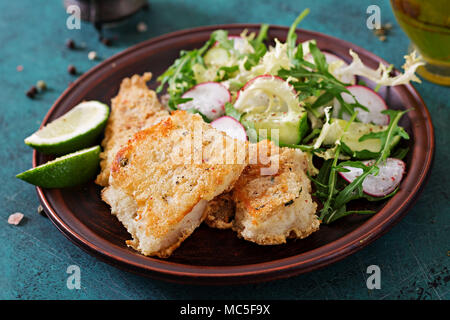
(15, 218)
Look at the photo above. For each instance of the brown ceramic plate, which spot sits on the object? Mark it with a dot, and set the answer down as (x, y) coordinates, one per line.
(216, 256)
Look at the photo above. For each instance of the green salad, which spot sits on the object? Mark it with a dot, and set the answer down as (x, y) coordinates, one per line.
(314, 100)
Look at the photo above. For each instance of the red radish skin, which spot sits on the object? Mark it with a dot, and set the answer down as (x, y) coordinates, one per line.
(368, 98)
(209, 98)
(389, 177)
(330, 58)
(231, 127)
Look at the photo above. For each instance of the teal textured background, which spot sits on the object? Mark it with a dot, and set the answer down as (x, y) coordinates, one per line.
(413, 256)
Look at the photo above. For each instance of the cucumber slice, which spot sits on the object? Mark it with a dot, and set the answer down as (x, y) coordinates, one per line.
(202, 74)
(271, 103)
(291, 128)
(361, 149)
(216, 56)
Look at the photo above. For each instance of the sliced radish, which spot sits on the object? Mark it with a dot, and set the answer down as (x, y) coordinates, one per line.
(368, 98)
(231, 127)
(331, 58)
(389, 177)
(209, 98)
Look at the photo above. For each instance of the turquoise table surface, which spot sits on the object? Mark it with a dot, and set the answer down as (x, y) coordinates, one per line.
(414, 257)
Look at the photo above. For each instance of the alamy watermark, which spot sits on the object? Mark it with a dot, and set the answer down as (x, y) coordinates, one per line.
(74, 19)
(374, 20)
(200, 146)
(374, 280)
(74, 278)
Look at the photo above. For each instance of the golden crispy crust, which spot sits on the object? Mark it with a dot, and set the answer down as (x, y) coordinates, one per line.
(167, 251)
(271, 208)
(135, 107)
(160, 171)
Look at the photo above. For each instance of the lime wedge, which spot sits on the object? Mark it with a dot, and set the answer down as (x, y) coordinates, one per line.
(66, 171)
(75, 130)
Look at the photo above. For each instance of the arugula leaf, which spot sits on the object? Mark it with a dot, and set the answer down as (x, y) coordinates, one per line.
(342, 213)
(325, 98)
(299, 146)
(386, 137)
(249, 126)
(292, 35)
(195, 111)
(249, 129)
(225, 73)
(327, 207)
(221, 37)
(319, 58)
(314, 79)
(334, 199)
(179, 77)
(262, 35)
(374, 199)
(314, 133)
(259, 48)
(362, 154)
(322, 176)
(231, 111)
(400, 153)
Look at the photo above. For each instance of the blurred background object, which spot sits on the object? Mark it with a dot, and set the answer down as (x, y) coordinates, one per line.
(100, 12)
(427, 24)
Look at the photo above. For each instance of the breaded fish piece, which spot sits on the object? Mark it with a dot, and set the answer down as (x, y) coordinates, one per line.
(271, 208)
(134, 108)
(162, 180)
(220, 212)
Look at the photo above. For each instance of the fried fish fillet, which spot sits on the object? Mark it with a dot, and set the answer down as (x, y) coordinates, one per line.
(274, 206)
(220, 212)
(134, 108)
(162, 180)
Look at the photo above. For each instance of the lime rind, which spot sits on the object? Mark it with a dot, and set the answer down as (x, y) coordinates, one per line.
(66, 171)
(77, 129)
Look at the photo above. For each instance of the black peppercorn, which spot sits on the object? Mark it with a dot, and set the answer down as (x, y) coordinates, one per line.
(71, 69)
(31, 92)
(70, 44)
(106, 41)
